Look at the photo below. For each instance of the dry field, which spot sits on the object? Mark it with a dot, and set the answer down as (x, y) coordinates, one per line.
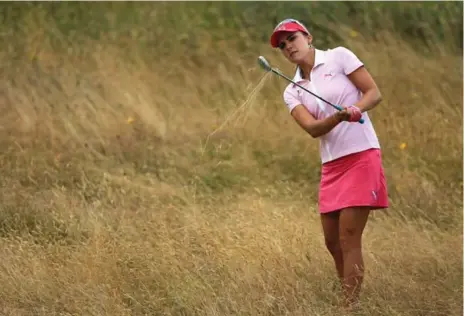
(139, 188)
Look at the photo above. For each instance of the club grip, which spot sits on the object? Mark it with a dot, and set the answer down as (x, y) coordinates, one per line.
(338, 107)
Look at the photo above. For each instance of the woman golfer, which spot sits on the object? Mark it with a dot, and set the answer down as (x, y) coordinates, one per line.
(352, 178)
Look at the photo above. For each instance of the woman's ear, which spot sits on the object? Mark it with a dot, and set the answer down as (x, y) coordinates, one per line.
(310, 39)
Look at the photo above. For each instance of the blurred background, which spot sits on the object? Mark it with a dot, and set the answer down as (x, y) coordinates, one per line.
(150, 167)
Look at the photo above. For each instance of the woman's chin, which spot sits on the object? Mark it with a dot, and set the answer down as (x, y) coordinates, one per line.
(294, 59)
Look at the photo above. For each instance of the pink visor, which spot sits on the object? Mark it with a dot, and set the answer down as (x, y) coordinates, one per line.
(288, 25)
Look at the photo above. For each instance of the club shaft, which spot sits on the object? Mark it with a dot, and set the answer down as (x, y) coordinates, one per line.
(288, 79)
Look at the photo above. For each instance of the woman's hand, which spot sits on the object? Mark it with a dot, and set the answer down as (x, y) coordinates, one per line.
(349, 114)
(343, 115)
(355, 113)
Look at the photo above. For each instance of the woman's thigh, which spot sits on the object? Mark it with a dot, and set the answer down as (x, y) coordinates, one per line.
(352, 223)
(331, 228)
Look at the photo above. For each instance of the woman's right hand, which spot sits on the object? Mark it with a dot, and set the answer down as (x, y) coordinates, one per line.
(343, 115)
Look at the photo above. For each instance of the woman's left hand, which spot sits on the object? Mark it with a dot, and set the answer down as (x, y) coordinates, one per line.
(355, 113)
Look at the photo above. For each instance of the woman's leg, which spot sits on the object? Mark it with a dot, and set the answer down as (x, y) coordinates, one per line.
(330, 226)
(352, 223)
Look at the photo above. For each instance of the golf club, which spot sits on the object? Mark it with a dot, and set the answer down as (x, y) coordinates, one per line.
(266, 66)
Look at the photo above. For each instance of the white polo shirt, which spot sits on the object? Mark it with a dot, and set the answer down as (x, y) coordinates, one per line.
(329, 80)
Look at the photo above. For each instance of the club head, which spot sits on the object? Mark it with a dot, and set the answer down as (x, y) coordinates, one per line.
(263, 63)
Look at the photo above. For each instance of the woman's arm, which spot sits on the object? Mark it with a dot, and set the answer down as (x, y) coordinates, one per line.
(317, 128)
(362, 79)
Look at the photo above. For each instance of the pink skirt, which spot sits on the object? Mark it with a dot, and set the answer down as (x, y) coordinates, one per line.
(354, 180)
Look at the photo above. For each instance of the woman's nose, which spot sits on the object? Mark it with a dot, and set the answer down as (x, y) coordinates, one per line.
(288, 46)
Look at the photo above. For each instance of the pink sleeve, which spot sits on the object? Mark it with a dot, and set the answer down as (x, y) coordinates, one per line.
(291, 98)
(349, 61)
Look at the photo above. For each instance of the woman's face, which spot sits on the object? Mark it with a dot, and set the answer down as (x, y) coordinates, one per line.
(294, 45)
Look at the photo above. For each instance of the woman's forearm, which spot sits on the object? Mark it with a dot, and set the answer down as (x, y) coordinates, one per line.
(369, 100)
(322, 127)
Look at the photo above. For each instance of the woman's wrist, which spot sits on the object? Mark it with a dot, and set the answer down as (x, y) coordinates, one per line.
(337, 116)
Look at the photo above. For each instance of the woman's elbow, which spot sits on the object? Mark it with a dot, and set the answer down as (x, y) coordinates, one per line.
(313, 132)
(314, 135)
(378, 97)
(375, 97)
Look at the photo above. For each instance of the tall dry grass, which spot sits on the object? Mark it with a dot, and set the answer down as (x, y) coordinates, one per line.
(124, 193)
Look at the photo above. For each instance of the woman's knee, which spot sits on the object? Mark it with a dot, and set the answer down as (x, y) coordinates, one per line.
(352, 223)
(350, 238)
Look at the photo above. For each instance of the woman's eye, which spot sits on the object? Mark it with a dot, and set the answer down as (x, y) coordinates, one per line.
(292, 38)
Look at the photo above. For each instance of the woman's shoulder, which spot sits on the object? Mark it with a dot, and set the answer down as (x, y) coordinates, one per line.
(344, 57)
(339, 51)
(290, 90)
